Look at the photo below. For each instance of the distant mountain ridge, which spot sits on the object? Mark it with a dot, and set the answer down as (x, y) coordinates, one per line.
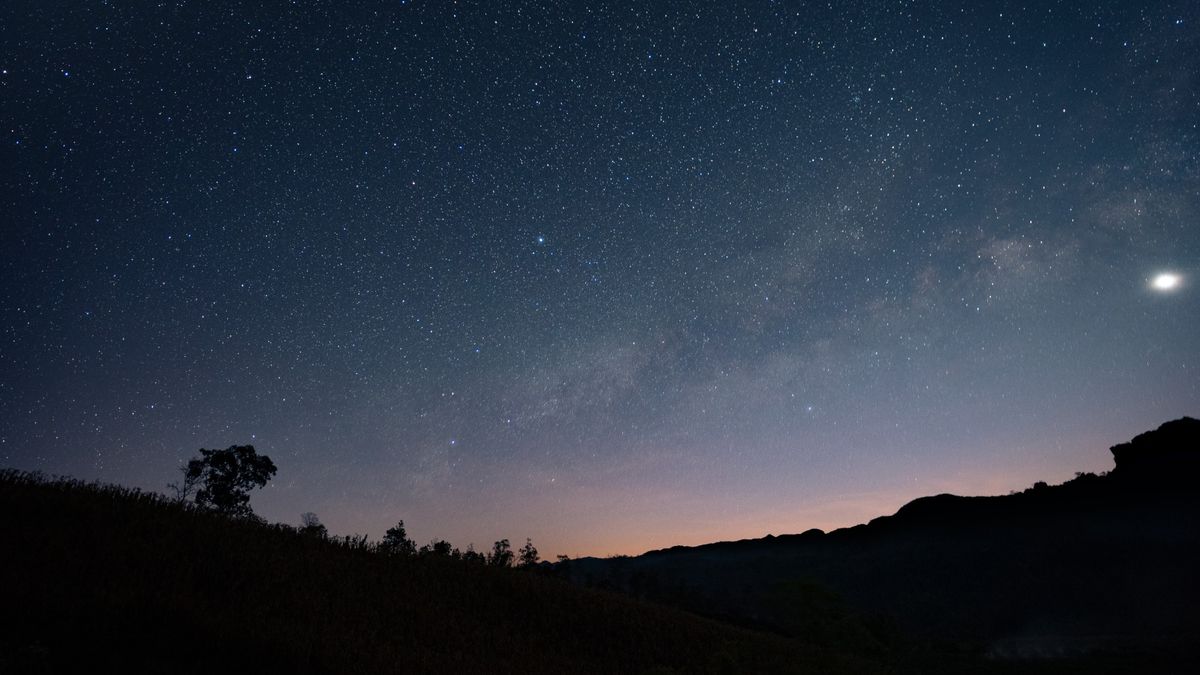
(1101, 562)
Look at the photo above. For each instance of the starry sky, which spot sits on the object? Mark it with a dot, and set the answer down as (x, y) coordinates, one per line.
(613, 276)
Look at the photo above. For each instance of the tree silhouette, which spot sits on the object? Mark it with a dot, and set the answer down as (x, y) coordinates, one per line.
(472, 556)
(528, 555)
(438, 547)
(185, 488)
(501, 555)
(396, 541)
(222, 479)
(311, 525)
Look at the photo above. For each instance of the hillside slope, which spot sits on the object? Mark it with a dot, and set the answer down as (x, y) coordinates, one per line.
(105, 579)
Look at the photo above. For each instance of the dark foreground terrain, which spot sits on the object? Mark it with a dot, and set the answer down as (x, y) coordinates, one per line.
(104, 579)
(1096, 575)
(1103, 569)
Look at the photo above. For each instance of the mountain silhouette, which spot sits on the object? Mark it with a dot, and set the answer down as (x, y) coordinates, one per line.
(1100, 564)
(1095, 575)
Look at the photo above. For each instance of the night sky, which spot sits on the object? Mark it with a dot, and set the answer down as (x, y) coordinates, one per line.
(613, 276)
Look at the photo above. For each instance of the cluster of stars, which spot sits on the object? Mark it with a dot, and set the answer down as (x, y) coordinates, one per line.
(531, 268)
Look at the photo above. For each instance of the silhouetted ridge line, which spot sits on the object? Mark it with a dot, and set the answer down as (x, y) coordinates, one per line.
(1102, 565)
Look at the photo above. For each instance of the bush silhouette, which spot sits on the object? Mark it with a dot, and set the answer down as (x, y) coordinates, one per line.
(440, 547)
(501, 555)
(311, 525)
(396, 541)
(528, 555)
(472, 556)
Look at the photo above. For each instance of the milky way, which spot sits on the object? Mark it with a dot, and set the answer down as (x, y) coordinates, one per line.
(611, 277)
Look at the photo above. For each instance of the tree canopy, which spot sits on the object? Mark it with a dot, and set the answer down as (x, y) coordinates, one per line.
(528, 555)
(396, 541)
(311, 525)
(222, 479)
(501, 555)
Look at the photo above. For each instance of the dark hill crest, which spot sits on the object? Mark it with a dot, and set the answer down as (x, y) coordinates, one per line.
(1100, 562)
(1168, 454)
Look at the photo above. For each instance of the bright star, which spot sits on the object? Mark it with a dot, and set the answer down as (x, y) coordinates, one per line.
(1166, 281)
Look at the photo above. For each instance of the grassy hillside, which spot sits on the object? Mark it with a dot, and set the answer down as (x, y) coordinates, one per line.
(101, 577)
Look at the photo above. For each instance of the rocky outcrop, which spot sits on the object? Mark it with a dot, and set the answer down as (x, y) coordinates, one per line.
(1168, 455)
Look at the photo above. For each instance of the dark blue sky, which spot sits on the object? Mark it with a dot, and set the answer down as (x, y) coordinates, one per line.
(613, 277)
